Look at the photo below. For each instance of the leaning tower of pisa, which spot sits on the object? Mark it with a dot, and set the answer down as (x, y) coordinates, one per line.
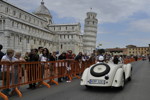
(90, 32)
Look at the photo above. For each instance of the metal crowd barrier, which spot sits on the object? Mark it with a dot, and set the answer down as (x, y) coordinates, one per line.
(14, 75)
(129, 60)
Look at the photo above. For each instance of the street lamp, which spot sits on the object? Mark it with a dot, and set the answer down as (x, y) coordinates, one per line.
(99, 45)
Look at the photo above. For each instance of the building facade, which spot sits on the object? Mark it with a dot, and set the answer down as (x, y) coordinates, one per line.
(116, 51)
(134, 50)
(130, 50)
(22, 31)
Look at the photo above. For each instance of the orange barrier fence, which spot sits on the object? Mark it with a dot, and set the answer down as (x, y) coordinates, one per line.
(16, 74)
(129, 60)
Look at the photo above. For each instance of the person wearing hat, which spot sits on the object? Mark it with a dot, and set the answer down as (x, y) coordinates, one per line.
(100, 59)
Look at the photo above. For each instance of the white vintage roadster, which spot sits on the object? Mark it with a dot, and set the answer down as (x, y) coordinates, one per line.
(106, 75)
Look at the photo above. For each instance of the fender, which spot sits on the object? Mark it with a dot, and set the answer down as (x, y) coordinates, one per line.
(84, 77)
(128, 71)
(118, 78)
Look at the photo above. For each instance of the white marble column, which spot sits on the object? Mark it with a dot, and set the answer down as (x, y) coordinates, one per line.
(7, 23)
(6, 40)
(28, 49)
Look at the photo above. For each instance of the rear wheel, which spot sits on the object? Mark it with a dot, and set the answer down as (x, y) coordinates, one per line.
(122, 82)
(130, 77)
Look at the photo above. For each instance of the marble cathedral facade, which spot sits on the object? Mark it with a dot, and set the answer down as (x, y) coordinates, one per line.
(22, 31)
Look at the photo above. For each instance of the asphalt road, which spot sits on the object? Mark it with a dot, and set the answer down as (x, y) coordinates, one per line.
(137, 89)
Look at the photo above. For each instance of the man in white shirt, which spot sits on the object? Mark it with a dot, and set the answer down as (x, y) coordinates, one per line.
(7, 58)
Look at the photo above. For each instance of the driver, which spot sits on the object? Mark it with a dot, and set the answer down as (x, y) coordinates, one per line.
(100, 59)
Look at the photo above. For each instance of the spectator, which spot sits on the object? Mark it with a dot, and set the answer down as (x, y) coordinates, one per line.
(52, 66)
(1, 54)
(45, 57)
(53, 57)
(18, 71)
(79, 57)
(93, 57)
(69, 55)
(136, 58)
(32, 76)
(26, 57)
(40, 52)
(85, 57)
(8, 57)
(61, 57)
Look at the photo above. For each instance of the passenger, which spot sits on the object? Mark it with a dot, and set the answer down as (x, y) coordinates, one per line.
(116, 59)
(120, 59)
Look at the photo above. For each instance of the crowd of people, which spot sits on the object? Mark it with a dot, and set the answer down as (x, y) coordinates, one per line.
(43, 54)
(40, 54)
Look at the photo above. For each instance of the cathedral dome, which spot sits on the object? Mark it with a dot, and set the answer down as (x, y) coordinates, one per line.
(42, 10)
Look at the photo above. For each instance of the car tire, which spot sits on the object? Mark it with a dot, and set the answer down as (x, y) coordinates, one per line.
(130, 78)
(123, 82)
(96, 74)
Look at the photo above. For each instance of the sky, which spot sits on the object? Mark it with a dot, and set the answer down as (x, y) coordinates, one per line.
(120, 22)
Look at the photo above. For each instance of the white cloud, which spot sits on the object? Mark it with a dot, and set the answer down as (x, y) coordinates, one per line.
(101, 30)
(141, 25)
(107, 10)
(140, 41)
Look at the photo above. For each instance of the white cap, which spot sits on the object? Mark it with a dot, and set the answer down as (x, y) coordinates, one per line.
(101, 58)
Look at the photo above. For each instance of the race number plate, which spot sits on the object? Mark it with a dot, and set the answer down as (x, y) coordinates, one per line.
(96, 81)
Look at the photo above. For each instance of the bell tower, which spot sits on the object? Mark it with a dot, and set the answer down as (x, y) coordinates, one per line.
(90, 32)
